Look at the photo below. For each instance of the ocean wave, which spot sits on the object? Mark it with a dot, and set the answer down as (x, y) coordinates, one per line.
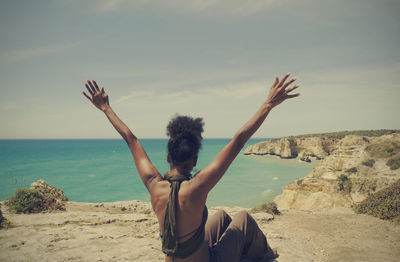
(267, 193)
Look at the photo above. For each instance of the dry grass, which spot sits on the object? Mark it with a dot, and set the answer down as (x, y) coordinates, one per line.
(342, 134)
(369, 163)
(384, 204)
(384, 149)
(270, 208)
(394, 162)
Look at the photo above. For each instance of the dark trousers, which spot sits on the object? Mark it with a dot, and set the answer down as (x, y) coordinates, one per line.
(237, 239)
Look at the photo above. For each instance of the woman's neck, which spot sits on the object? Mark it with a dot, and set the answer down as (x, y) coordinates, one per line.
(180, 170)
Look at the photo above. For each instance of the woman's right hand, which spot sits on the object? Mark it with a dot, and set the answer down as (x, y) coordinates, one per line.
(98, 97)
(278, 92)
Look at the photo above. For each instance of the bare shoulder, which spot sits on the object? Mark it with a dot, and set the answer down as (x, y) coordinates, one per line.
(160, 188)
(159, 196)
(192, 192)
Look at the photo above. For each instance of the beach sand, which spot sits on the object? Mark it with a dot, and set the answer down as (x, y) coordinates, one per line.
(128, 231)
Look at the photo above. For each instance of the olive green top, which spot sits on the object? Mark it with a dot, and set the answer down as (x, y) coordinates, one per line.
(170, 244)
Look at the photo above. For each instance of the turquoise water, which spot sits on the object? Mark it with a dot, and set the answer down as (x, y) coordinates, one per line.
(103, 170)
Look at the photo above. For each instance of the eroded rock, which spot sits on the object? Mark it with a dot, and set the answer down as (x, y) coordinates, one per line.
(342, 178)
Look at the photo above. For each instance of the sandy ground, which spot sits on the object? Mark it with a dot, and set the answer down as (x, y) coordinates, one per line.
(128, 231)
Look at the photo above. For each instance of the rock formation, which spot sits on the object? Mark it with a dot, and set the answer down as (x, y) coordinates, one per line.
(53, 197)
(48, 190)
(291, 147)
(352, 168)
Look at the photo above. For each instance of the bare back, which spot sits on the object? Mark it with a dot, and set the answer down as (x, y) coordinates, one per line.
(189, 214)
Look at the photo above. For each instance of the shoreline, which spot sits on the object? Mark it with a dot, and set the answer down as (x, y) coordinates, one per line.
(268, 158)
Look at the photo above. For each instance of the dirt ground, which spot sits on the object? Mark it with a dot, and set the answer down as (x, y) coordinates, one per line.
(333, 236)
(128, 231)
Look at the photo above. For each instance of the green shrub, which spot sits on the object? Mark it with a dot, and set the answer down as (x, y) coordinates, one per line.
(383, 149)
(4, 223)
(384, 204)
(1, 219)
(343, 178)
(394, 162)
(352, 170)
(270, 208)
(25, 201)
(371, 186)
(369, 163)
(342, 134)
(344, 184)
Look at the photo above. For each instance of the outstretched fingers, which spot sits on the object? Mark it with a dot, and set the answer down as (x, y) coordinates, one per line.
(292, 88)
(275, 84)
(283, 80)
(89, 90)
(95, 85)
(291, 96)
(88, 97)
(92, 86)
(288, 83)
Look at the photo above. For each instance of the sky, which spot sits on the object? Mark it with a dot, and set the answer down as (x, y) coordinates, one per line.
(211, 59)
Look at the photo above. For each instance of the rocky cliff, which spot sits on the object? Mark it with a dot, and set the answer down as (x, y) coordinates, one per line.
(291, 147)
(351, 168)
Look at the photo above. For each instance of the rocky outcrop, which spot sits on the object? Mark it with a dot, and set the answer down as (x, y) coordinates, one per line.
(53, 197)
(346, 177)
(304, 156)
(351, 169)
(292, 147)
(48, 190)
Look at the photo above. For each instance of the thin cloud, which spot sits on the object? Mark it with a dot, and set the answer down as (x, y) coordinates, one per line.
(197, 7)
(23, 54)
(363, 79)
(109, 6)
(9, 106)
(237, 91)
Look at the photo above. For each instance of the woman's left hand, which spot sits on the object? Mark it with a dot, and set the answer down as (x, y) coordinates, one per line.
(98, 97)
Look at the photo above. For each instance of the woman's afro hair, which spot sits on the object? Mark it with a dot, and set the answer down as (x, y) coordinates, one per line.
(185, 138)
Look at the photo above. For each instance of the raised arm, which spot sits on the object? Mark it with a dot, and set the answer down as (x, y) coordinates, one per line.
(148, 173)
(208, 177)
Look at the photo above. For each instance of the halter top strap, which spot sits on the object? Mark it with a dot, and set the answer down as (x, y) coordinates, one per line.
(170, 244)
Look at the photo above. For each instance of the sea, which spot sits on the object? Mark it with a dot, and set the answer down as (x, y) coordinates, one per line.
(102, 170)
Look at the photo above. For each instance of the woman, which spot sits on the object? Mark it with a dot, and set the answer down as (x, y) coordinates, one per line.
(179, 200)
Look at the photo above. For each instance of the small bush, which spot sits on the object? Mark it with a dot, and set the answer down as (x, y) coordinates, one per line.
(344, 184)
(369, 163)
(352, 170)
(25, 201)
(384, 204)
(394, 162)
(383, 149)
(4, 223)
(270, 208)
(372, 186)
